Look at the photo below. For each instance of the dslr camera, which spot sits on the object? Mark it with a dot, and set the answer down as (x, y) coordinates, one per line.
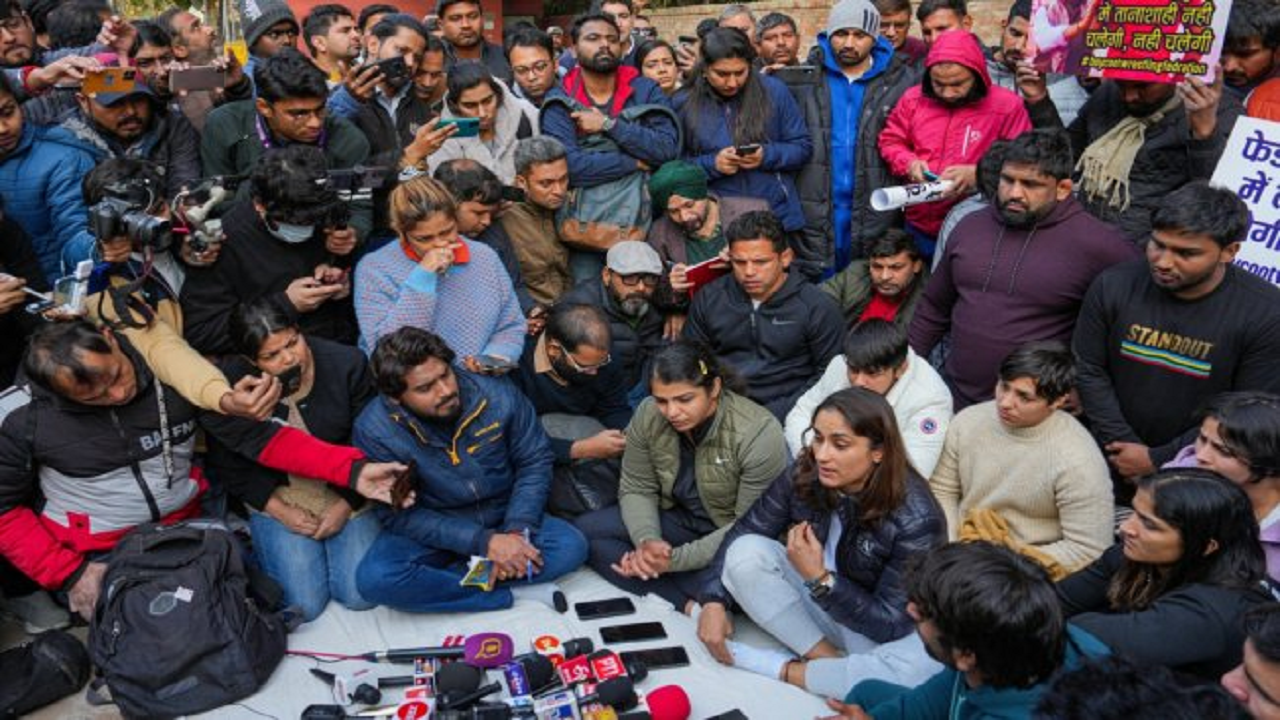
(123, 212)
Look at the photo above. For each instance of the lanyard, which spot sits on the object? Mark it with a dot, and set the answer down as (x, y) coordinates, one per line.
(166, 443)
(264, 137)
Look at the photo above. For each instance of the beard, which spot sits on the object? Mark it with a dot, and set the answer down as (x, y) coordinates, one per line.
(602, 62)
(634, 305)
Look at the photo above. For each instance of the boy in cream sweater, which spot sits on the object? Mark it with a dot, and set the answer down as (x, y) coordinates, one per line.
(1020, 471)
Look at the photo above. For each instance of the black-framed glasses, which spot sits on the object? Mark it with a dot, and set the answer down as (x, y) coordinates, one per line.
(635, 279)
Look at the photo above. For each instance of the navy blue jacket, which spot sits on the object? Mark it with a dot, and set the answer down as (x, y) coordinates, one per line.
(787, 147)
(488, 472)
(653, 138)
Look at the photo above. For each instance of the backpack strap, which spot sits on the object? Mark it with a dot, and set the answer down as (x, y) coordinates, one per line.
(526, 128)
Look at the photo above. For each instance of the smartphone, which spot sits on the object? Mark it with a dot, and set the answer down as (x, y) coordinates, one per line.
(734, 714)
(403, 485)
(467, 127)
(930, 176)
(598, 609)
(394, 70)
(108, 80)
(635, 632)
(492, 362)
(512, 194)
(688, 40)
(200, 77)
(290, 380)
(751, 149)
(658, 658)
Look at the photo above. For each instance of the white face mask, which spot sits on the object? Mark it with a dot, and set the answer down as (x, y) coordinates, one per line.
(292, 234)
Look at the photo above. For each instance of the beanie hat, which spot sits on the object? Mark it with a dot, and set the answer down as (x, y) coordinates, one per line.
(854, 15)
(257, 17)
(676, 177)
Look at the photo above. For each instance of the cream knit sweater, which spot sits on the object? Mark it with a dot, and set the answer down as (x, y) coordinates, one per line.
(1049, 482)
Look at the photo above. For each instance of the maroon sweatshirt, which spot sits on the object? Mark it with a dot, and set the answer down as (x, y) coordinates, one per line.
(997, 287)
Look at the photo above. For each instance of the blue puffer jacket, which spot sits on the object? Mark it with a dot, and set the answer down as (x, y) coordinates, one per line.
(787, 147)
(40, 184)
(489, 472)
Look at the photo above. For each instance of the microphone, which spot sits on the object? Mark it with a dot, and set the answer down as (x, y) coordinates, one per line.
(458, 678)
(344, 693)
(483, 711)
(669, 702)
(618, 693)
(484, 650)
(461, 701)
(606, 664)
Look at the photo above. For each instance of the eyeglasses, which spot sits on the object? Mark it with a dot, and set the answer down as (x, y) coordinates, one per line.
(585, 369)
(636, 278)
(13, 24)
(535, 69)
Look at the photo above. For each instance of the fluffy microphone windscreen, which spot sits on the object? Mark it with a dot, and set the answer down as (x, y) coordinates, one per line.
(669, 702)
(618, 693)
(540, 671)
(458, 677)
(488, 650)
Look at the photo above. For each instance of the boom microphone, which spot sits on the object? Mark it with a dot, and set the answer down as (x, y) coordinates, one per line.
(462, 700)
(483, 650)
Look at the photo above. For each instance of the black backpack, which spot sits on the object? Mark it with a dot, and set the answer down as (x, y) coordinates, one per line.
(50, 667)
(176, 630)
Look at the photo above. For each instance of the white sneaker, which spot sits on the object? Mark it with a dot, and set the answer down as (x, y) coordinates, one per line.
(37, 611)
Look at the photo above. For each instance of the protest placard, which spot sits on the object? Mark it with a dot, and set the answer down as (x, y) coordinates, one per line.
(1143, 40)
(1250, 165)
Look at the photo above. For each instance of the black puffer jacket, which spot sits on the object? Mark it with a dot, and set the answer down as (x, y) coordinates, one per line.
(634, 340)
(780, 348)
(1169, 158)
(814, 180)
(869, 596)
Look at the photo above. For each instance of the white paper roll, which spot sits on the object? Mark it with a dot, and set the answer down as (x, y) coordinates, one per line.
(892, 198)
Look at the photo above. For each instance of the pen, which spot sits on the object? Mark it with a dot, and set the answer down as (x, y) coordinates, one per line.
(528, 564)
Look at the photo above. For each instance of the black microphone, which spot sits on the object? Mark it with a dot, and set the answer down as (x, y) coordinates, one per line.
(618, 693)
(458, 678)
(363, 692)
(483, 711)
(460, 701)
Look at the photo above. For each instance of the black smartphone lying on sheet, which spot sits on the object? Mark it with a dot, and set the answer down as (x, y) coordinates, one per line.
(635, 632)
(599, 609)
(658, 658)
(734, 714)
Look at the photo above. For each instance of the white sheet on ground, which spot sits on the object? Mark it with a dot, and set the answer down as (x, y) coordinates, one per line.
(712, 688)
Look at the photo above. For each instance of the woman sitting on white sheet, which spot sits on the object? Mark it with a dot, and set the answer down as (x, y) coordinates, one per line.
(853, 512)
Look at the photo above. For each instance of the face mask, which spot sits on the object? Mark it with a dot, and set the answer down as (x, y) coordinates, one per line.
(292, 234)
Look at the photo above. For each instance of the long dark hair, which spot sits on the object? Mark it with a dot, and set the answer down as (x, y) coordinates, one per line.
(750, 122)
(1204, 508)
(868, 415)
(1249, 425)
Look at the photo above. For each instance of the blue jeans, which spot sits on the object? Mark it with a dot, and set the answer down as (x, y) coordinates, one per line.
(313, 571)
(400, 573)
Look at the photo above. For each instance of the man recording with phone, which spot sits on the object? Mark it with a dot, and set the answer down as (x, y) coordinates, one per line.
(189, 88)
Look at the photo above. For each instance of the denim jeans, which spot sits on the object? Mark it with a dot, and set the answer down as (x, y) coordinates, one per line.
(313, 571)
(401, 573)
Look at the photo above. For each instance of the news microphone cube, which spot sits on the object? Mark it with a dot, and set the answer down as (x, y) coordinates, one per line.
(574, 670)
(488, 650)
(606, 664)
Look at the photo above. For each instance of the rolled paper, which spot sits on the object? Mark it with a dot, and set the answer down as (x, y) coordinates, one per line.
(899, 196)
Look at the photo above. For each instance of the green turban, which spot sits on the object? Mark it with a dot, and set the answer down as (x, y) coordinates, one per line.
(676, 178)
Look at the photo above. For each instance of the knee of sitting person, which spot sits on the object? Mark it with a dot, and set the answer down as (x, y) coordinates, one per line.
(310, 596)
(565, 547)
(748, 557)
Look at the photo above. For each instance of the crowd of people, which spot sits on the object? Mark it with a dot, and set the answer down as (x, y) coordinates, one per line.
(620, 302)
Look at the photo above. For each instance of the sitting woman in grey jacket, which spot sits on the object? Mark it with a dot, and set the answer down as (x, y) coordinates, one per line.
(852, 513)
(698, 455)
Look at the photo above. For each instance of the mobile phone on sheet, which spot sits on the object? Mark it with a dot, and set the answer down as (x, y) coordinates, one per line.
(634, 632)
(658, 658)
(600, 609)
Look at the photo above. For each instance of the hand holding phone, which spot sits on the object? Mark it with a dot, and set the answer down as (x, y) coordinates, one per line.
(199, 77)
(745, 150)
(402, 487)
(467, 127)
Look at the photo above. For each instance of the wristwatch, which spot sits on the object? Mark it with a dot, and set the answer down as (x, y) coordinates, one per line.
(608, 124)
(821, 586)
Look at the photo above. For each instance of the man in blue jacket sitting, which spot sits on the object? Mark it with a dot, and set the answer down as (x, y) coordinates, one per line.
(481, 471)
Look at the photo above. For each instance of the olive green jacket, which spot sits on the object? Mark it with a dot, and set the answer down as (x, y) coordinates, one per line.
(744, 450)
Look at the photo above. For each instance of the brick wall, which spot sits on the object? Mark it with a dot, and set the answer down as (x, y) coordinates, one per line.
(811, 15)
